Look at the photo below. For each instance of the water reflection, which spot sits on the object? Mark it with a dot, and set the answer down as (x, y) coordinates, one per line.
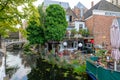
(19, 65)
(1, 55)
(2, 69)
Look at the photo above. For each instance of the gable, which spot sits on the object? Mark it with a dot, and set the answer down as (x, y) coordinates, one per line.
(70, 12)
(102, 5)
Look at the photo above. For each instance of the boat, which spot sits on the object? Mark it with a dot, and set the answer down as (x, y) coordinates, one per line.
(97, 72)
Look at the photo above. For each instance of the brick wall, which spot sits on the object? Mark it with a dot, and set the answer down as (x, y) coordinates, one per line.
(89, 24)
(99, 26)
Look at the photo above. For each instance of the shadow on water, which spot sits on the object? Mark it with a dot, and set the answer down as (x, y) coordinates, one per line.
(19, 65)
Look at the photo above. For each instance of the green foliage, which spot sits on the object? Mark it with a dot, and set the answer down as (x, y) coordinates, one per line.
(56, 23)
(11, 70)
(42, 14)
(80, 31)
(73, 31)
(80, 69)
(10, 16)
(75, 62)
(84, 32)
(56, 68)
(100, 53)
(35, 29)
(54, 72)
(77, 67)
(35, 33)
(27, 49)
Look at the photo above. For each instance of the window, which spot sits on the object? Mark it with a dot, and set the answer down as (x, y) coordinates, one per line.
(70, 19)
(67, 17)
(80, 26)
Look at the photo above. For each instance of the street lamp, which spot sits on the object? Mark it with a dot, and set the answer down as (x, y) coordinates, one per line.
(65, 43)
(80, 45)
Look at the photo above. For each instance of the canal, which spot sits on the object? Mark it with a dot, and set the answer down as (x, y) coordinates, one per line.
(17, 67)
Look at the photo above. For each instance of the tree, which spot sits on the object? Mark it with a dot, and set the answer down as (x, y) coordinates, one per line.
(35, 29)
(10, 16)
(55, 23)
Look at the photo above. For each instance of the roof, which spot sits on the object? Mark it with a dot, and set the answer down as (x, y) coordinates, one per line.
(63, 4)
(80, 5)
(69, 11)
(102, 5)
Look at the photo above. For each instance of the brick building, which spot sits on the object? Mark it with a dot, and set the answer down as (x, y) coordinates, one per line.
(99, 19)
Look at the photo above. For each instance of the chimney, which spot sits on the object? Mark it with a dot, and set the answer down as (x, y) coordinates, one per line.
(92, 3)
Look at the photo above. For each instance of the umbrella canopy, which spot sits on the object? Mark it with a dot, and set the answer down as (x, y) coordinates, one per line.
(115, 39)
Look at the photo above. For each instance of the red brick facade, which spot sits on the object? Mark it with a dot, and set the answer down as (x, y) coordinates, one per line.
(99, 27)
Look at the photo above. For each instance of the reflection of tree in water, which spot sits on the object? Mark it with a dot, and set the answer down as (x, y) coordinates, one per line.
(11, 70)
(26, 61)
(29, 60)
(1, 55)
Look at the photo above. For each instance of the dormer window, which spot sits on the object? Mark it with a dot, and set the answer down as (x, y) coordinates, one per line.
(70, 19)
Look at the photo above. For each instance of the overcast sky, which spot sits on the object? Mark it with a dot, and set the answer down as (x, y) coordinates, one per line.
(72, 3)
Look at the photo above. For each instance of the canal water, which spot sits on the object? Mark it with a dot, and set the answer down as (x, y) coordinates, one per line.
(16, 66)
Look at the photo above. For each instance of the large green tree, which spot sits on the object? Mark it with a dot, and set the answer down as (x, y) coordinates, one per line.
(35, 29)
(10, 16)
(55, 23)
